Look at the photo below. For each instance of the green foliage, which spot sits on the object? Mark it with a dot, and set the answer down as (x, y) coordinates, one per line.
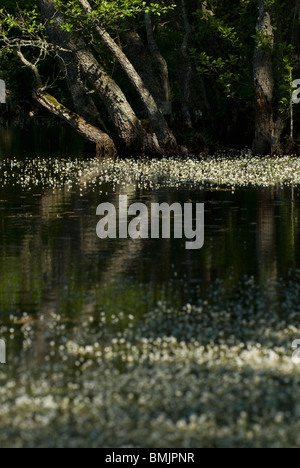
(224, 47)
(221, 47)
(108, 13)
(26, 23)
(287, 53)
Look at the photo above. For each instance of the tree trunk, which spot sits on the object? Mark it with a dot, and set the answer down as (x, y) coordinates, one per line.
(162, 65)
(264, 82)
(128, 126)
(186, 70)
(103, 142)
(82, 99)
(129, 129)
(137, 54)
(165, 137)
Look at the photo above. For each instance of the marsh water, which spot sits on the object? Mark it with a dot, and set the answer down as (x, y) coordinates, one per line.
(50, 251)
(53, 264)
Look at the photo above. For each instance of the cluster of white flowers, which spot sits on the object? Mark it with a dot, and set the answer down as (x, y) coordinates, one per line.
(233, 169)
(218, 374)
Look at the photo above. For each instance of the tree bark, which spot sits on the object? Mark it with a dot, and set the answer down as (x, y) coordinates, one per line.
(264, 82)
(82, 99)
(165, 137)
(162, 64)
(80, 59)
(137, 54)
(186, 69)
(128, 126)
(104, 143)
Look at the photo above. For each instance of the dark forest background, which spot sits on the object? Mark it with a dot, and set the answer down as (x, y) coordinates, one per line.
(156, 78)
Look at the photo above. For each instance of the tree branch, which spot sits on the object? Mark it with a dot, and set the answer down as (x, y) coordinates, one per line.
(103, 141)
(164, 135)
(91, 133)
(32, 67)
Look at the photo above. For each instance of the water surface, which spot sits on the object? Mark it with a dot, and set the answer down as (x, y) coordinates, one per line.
(58, 281)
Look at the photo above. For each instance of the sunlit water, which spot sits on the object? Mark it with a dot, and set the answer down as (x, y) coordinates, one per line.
(143, 343)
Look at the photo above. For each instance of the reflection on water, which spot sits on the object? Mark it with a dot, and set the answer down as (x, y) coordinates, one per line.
(56, 273)
(45, 139)
(50, 251)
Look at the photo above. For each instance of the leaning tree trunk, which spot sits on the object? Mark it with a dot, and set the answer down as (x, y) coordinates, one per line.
(82, 99)
(128, 126)
(104, 143)
(137, 54)
(80, 59)
(164, 135)
(264, 82)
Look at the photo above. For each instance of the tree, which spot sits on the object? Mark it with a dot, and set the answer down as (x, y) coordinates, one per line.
(264, 81)
(78, 60)
(159, 124)
(159, 78)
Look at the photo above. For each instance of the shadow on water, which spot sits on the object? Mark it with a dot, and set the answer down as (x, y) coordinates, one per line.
(49, 249)
(57, 275)
(44, 139)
